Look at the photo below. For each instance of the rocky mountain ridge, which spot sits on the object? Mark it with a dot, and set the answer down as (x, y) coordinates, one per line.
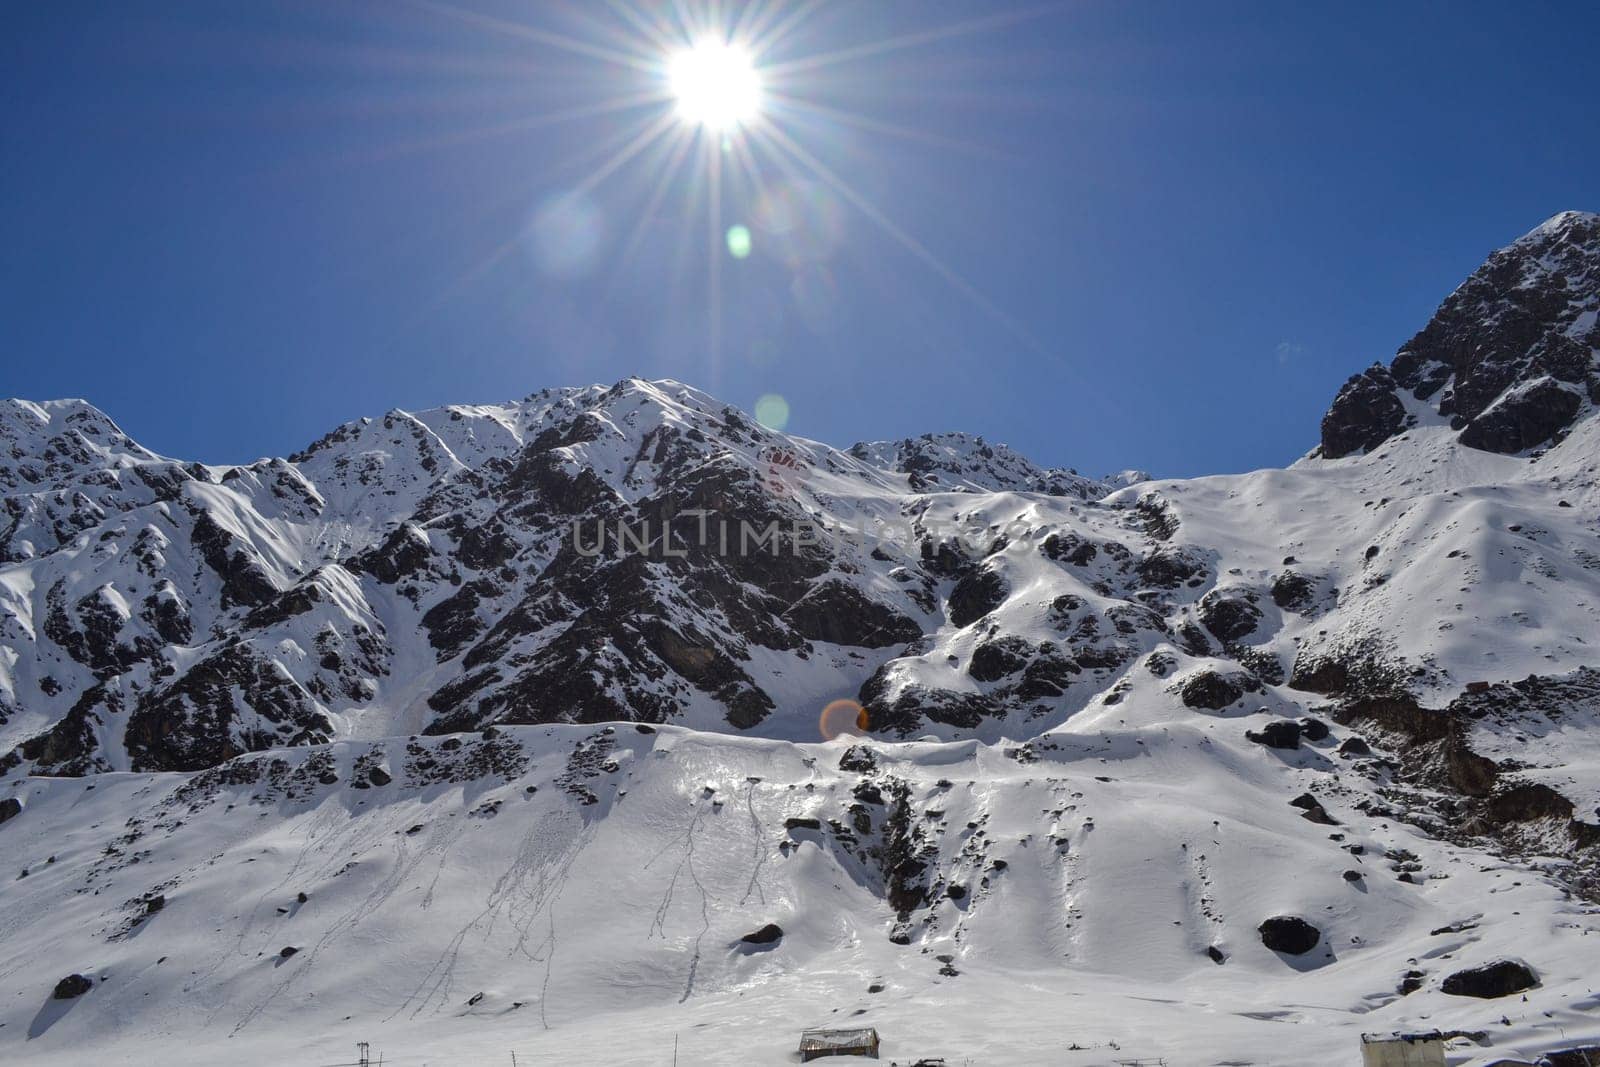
(398, 720)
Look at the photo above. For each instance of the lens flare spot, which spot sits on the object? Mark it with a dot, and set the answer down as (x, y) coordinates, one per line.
(843, 717)
(738, 241)
(801, 223)
(772, 411)
(567, 235)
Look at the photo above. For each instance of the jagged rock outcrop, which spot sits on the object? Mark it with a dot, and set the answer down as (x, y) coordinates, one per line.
(1509, 358)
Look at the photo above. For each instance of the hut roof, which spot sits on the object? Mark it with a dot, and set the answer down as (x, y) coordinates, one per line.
(812, 1040)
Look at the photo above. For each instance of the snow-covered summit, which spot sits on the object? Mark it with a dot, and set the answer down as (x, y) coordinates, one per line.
(961, 462)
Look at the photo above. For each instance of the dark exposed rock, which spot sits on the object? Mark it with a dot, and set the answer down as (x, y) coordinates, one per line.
(1289, 934)
(1169, 567)
(1313, 810)
(1313, 729)
(1365, 414)
(378, 776)
(244, 580)
(1211, 690)
(799, 822)
(286, 951)
(1500, 978)
(235, 700)
(71, 987)
(769, 934)
(993, 660)
(1292, 592)
(10, 808)
(1354, 746)
(1069, 548)
(1216, 954)
(1047, 675)
(1525, 419)
(975, 595)
(859, 759)
(405, 552)
(1577, 1056)
(1230, 614)
(837, 612)
(1509, 341)
(1281, 734)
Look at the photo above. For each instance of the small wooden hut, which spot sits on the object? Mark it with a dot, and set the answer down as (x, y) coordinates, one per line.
(815, 1044)
(1403, 1050)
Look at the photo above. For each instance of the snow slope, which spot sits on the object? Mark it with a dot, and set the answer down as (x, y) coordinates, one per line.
(476, 905)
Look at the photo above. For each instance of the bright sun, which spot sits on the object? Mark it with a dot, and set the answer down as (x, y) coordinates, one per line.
(715, 84)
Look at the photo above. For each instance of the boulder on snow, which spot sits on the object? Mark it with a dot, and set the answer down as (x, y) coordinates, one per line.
(1500, 978)
(1210, 690)
(1230, 614)
(1313, 729)
(1313, 810)
(1293, 592)
(800, 822)
(286, 951)
(769, 934)
(1289, 934)
(10, 808)
(379, 776)
(1355, 746)
(73, 985)
(1282, 734)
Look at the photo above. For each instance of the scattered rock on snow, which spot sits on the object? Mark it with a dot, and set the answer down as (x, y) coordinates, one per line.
(1355, 746)
(1500, 978)
(1210, 690)
(1289, 934)
(1313, 729)
(1282, 734)
(73, 985)
(767, 935)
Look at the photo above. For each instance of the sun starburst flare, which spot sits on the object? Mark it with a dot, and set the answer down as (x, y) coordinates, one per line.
(715, 84)
(725, 109)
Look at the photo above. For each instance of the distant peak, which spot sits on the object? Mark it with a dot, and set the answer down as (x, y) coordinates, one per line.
(1565, 223)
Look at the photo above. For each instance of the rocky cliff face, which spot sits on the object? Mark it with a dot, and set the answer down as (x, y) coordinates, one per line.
(1510, 360)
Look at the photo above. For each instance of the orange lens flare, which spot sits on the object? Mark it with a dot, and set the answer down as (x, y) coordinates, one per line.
(843, 717)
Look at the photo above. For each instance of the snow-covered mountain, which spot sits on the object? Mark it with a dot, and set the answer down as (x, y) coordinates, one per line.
(505, 718)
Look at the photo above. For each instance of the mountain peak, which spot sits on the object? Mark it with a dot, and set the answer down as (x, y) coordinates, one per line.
(1511, 360)
(1583, 225)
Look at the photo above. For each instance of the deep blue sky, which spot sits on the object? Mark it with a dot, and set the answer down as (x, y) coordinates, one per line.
(233, 224)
